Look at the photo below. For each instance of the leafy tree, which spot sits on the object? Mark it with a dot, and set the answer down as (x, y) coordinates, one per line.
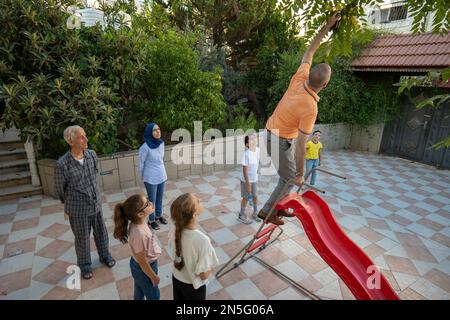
(180, 91)
(279, 37)
(420, 10)
(240, 25)
(313, 14)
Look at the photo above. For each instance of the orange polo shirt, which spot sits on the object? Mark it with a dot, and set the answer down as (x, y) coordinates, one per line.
(297, 110)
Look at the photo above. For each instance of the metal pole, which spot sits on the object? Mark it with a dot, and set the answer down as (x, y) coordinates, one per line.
(285, 277)
(322, 170)
(220, 273)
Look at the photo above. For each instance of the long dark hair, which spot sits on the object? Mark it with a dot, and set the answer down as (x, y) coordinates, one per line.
(181, 211)
(124, 212)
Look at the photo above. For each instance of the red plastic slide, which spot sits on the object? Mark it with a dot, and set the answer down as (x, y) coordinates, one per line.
(350, 263)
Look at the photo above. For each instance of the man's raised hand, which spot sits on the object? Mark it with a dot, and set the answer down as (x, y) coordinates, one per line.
(333, 20)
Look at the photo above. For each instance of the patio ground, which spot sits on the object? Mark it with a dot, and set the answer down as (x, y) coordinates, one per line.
(397, 211)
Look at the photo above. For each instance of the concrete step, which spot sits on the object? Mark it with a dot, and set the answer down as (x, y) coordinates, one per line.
(15, 179)
(8, 145)
(12, 166)
(19, 191)
(12, 154)
(10, 135)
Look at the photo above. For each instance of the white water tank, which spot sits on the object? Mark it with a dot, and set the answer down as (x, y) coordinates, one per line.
(91, 16)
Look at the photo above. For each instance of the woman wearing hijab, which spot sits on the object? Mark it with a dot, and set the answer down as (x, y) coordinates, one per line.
(153, 172)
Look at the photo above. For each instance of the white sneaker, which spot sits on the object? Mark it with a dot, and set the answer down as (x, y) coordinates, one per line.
(244, 219)
(255, 217)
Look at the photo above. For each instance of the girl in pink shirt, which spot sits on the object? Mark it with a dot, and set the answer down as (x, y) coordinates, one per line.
(144, 248)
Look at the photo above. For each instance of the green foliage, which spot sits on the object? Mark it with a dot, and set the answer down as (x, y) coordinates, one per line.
(131, 140)
(46, 83)
(314, 14)
(181, 92)
(279, 37)
(442, 144)
(348, 99)
(289, 63)
(240, 25)
(420, 9)
(240, 118)
(407, 83)
(210, 58)
(255, 36)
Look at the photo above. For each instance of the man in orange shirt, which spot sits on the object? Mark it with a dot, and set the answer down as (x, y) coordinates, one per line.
(293, 120)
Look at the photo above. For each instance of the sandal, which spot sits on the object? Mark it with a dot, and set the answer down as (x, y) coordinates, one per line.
(86, 273)
(162, 220)
(154, 225)
(109, 262)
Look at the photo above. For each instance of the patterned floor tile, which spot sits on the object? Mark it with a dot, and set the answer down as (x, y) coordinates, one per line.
(396, 210)
(15, 281)
(245, 290)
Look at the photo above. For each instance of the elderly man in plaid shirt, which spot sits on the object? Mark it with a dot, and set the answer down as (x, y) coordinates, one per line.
(76, 187)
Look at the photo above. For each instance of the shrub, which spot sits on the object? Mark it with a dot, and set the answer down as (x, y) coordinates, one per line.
(180, 91)
(45, 81)
(100, 79)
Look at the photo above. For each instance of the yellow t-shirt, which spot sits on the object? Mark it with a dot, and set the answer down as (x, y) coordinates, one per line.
(312, 149)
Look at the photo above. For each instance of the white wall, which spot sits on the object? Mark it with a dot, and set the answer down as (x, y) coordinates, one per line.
(397, 26)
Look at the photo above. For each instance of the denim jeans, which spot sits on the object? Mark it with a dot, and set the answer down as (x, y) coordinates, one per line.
(155, 194)
(311, 164)
(143, 286)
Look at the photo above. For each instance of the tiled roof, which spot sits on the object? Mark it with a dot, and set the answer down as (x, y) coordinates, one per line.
(421, 52)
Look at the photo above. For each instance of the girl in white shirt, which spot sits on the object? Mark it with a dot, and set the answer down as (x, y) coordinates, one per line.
(249, 178)
(194, 256)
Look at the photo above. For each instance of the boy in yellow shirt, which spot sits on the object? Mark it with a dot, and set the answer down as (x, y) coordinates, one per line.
(313, 155)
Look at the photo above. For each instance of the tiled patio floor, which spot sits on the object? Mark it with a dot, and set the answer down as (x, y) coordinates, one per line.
(397, 211)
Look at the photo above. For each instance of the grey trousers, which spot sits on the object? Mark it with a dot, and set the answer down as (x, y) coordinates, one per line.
(81, 228)
(282, 153)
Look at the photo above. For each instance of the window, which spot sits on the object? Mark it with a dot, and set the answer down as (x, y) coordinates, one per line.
(392, 14)
(384, 15)
(398, 13)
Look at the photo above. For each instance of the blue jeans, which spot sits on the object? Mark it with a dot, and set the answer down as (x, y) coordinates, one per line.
(143, 286)
(311, 164)
(155, 194)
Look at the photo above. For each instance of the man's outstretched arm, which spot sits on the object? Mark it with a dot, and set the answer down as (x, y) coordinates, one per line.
(315, 43)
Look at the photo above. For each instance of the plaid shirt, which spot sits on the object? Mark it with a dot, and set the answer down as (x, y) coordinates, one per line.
(76, 184)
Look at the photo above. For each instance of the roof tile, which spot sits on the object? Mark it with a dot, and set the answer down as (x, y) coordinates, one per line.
(405, 51)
